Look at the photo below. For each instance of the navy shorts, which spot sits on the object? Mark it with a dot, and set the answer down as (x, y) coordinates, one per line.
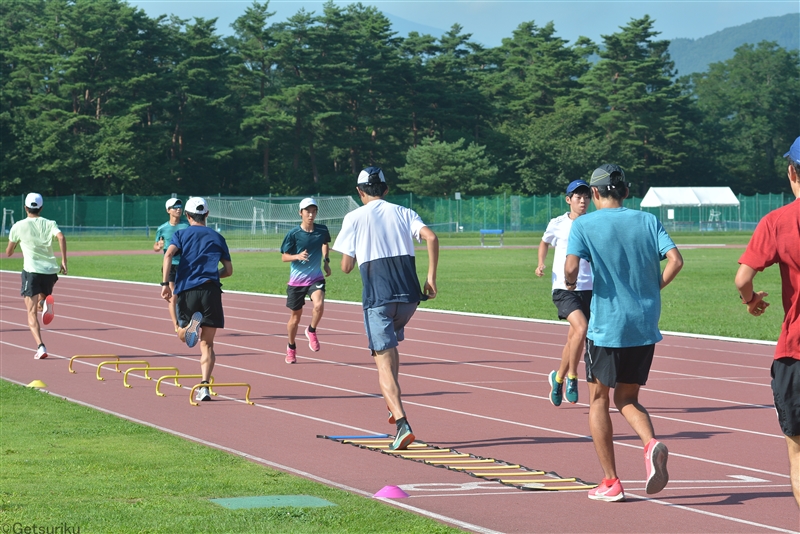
(568, 301)
(37, 284)
(629, 365)
(172, 270)
(786, 392)
(206, 299)
(296, 295)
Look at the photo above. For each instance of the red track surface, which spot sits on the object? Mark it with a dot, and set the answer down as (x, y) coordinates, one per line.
(476, 384)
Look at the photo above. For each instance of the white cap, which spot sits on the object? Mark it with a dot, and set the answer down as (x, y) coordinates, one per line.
(34, 201)
(306, 202)
(196, 205)
(171, 202)
(370, 175)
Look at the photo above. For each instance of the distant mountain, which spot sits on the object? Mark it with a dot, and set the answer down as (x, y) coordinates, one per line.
(694, 55)
(403, 27)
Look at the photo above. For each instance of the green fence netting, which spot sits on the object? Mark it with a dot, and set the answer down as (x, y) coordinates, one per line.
(124, 214)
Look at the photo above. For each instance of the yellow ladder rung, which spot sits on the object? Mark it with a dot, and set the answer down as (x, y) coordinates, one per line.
(490, 467)
(481, 461)
(429, 450)
(526, 474)
(539, 480)
(434, 455)
(412, 446)
(563, 488)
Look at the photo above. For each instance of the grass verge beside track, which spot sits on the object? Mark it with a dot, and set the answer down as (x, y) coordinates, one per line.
(66, 464)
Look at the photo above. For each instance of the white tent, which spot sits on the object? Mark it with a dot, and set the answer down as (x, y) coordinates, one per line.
(684, 197)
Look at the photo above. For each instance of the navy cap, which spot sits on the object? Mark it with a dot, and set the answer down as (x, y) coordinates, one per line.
(794, 151)
(575, 184)
(602, 174)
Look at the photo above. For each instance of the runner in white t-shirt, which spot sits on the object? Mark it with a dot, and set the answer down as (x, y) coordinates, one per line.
(40, 269)
(380, 237)
(571, 305)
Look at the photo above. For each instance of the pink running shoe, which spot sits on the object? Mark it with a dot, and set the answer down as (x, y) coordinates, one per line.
(391, 417)
(313, 342)
(655, 461)
(291, 355)
(608, 491)
(48, 311)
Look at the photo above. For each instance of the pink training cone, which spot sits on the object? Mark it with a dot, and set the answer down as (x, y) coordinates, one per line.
(391, 492)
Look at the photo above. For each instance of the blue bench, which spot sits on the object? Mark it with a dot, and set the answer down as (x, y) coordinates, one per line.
(486, 232)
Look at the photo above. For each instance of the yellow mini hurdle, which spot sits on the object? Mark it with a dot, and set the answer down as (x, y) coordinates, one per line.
(145, 369)
(230, 384)
(85, 356)
(118, 363)
(176, 377)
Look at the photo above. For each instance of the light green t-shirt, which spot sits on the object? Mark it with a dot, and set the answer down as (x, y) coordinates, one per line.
(35, 237)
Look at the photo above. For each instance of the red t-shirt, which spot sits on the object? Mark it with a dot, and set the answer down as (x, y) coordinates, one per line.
(777, 240)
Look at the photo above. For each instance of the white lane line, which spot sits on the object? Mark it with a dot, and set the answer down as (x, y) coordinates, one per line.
(711, 514)
(285, 468)
(371, 368)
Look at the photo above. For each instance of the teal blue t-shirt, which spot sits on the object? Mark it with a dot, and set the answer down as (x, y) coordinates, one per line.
(625, 249)
(166, 231)
(305, 273)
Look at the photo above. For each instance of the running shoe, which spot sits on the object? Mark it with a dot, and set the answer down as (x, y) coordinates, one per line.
(41, 353)
(404, 438)
(555, 389)
(313, 342)
(193, 330)
(48, 310)
(608, 491)
(655, 461)
(391, 417)
(203, 394)
(571, 391)
(291, 355)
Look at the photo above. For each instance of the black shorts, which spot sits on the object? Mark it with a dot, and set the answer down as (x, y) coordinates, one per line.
(786, 392)
(171, 276)
(568, 301)
(296, 295)
(37, 284)
(206, 299)
(629, 365)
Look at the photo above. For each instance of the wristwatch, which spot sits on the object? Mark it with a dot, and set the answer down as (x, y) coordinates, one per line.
(164, 283)
(327, 260)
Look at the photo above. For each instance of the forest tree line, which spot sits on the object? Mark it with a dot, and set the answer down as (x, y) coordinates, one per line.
(98, 98)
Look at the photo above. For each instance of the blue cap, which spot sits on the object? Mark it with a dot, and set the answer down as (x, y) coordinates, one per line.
(575, 184)
(794, 151)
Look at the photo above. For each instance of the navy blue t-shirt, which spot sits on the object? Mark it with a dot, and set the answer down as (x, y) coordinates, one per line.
(201, 250)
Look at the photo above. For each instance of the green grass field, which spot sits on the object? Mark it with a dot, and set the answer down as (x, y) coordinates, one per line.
(63, 463)
(701, 300)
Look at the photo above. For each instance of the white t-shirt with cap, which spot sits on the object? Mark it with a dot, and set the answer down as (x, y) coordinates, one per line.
(35, 237)
(380, 236)
(557, 235)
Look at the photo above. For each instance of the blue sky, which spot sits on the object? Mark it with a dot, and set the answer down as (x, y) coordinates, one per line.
(490, 21)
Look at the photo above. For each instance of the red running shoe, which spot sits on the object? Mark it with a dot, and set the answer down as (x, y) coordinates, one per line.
(608, 491)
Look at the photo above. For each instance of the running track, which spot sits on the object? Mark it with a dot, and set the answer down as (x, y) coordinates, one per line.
(477, 384)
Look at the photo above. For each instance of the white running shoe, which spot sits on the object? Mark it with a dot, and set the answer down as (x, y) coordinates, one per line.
(41, 353)
(202, 394)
